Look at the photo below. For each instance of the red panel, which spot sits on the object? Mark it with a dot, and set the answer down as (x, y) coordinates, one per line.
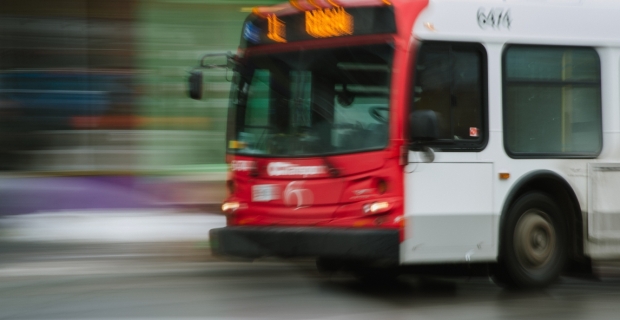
(338, 201)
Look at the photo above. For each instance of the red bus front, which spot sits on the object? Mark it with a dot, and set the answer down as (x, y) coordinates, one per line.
(315, 132)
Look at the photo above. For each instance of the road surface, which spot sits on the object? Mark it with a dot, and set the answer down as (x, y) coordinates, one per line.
(184, 282)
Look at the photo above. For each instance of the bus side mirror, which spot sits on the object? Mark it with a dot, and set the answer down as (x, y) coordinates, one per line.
(424, 125)
(195, 84)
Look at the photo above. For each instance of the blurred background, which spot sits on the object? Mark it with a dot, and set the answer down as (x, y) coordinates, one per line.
(111, 177)
(94, 112)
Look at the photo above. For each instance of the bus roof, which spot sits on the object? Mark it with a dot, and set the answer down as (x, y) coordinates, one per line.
(561, 22)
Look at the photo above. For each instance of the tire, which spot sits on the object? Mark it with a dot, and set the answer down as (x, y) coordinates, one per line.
(534, 243)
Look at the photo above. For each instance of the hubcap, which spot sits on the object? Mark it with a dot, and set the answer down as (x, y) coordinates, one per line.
(534, 239)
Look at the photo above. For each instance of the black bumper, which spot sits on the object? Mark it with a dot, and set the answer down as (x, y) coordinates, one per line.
(346, 244)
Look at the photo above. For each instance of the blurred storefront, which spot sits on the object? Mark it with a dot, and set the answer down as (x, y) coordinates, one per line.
(99, 87)
(63, 63)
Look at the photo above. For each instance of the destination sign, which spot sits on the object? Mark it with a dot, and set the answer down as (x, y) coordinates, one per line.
(317, 24)
(332, 22)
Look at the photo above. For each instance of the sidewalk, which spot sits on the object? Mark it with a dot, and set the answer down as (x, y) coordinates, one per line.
(109, 226)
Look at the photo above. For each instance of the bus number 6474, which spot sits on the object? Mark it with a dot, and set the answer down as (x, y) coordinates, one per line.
(496, 18)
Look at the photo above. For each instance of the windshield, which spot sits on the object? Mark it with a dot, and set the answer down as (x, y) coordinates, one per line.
(313, 102)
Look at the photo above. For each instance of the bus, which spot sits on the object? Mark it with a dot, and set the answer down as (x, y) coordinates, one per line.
(390, 134)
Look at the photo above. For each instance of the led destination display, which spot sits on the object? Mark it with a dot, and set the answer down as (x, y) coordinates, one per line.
(317, 24)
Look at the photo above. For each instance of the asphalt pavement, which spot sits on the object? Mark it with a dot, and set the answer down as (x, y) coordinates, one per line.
(157, 265)
(184, 283)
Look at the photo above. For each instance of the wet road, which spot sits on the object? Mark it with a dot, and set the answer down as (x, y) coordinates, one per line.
(78, 284)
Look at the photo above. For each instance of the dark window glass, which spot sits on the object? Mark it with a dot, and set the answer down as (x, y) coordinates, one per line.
(450, 83)
(552, 101)
(312, 102)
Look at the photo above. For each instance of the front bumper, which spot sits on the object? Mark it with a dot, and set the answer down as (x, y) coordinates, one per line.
(345, 244)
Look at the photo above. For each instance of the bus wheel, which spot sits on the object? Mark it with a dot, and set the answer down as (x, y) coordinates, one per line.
(533, 252)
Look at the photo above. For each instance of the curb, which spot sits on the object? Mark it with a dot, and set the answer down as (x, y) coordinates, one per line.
(34, 252)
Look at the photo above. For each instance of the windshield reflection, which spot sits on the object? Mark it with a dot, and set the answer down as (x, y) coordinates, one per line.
(314, 102)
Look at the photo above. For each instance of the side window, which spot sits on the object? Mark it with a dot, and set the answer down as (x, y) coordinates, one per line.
(552, 101)
(450, 85)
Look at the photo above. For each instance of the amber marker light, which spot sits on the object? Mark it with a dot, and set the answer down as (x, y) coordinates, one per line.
(256, 12)
(504, 175)
(230, 207)
(400, 220)
(376, 207)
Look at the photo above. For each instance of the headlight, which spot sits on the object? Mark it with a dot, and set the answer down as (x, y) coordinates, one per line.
(230, 207)
(376, 207)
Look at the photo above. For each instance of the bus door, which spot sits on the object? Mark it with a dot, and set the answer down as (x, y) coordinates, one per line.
(448, 190)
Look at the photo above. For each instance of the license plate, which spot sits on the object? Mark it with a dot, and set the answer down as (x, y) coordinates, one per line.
(265, 192)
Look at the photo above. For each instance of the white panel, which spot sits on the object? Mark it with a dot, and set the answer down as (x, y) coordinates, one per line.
(445, 238)
(556, 2)
(604, 201)
(540, 21)
(449, 213)
(450, 188)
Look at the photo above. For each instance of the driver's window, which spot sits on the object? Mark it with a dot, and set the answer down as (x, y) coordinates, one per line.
(450, 82)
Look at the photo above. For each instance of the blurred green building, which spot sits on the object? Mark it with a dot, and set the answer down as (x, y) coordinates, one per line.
(173, 35)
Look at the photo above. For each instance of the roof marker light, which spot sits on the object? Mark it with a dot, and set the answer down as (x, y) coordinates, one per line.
(333, 3)
(256, 12)
(311, 2)
(296, 5)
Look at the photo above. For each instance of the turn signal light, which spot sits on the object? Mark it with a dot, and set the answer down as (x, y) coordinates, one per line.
(376, 207)
(230, 207)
